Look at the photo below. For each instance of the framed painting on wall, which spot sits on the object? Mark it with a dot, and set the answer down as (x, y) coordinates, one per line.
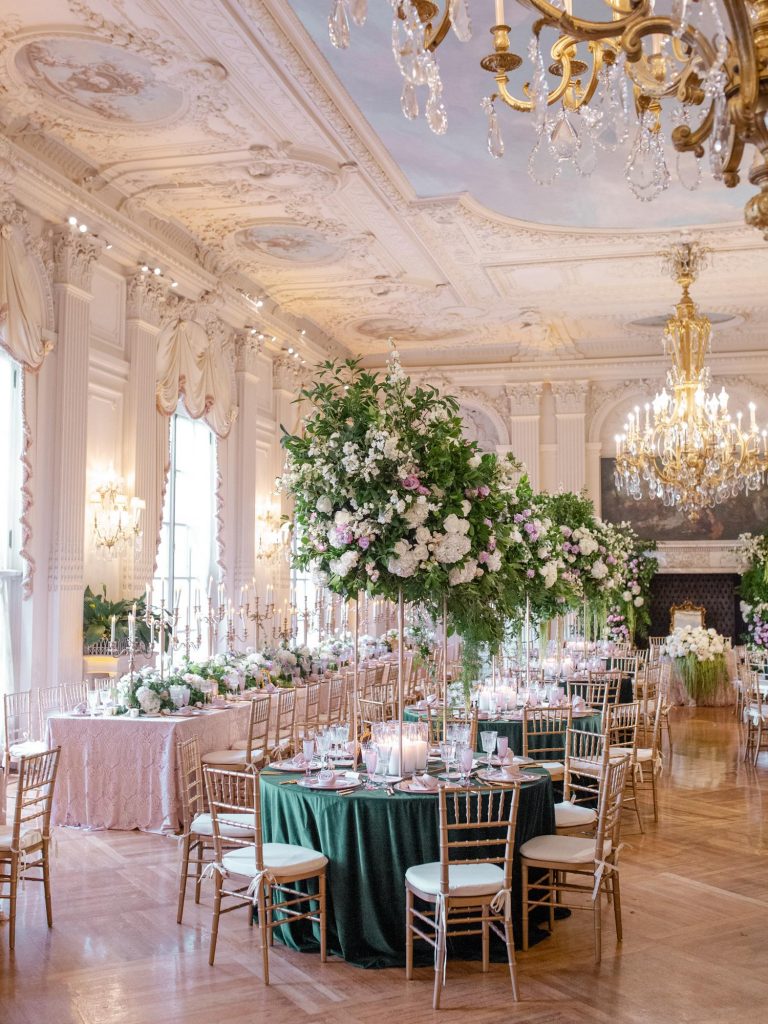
(682, 615)
(654, 521)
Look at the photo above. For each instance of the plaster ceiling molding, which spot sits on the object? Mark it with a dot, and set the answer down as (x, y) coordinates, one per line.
(609, 403)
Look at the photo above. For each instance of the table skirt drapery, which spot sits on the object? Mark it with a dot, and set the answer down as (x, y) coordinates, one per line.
(120, 772)
(370, 840)
(724, 694)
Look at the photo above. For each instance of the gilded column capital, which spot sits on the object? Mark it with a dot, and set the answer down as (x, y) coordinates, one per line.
(145, 297)
(524, 398)
(74, 256)
(570, 396)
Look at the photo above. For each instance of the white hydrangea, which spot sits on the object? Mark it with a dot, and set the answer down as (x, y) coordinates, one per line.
(451, 547)
(463, 574)
(324, 505)
(149, 701)
(453, 524)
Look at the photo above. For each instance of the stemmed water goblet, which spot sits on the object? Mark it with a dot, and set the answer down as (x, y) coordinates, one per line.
(93, 701)
(384, 754)
(324, 741)
(371, 758)
(448, 753)
(105, 696)
(488, 742)
(465, 754)
(308, 749)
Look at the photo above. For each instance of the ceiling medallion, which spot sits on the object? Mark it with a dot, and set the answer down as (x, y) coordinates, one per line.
(687, 451)
(695, 70)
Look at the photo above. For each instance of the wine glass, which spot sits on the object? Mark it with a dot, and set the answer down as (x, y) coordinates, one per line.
(105, 696)
(308, 749)
(371, 758)
(324, 741)
(448, 752)
(93, 701)
(488, 743)
(465, 763)
(502, 746)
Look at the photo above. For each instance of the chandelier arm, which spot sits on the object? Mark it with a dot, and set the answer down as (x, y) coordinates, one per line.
(526, 106)
(746, 78)
(436, 34)
(582, 29)
(684, 138)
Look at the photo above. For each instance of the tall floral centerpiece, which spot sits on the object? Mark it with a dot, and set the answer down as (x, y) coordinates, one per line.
(630, 607)
(698, 655)
(389, 498)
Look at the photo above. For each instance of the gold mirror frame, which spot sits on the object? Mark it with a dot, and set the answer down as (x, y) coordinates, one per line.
(690, 611)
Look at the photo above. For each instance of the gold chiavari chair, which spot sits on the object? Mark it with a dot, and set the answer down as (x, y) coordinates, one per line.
(647, 762)
(24, 844)
(49, 701)
(584, 866)
(586, 758)
(645, 690)
(335, 698)
(197, 827)
(436, 719)
(262, 876)
(665, 675)
(620, 725)
(544, 737)
(75, 694)
(370, 713)
(655, 644)
(755, 718)
(469, 890)
(306, 719)
(281, 741)
(252, 750)
(19, 729)
(608, 682)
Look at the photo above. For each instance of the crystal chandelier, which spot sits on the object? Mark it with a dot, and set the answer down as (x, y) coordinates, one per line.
(116, 518)
(687, 450)
(592, 86)
(273, 537)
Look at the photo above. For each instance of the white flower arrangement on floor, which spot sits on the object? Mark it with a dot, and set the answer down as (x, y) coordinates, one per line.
(699, 656)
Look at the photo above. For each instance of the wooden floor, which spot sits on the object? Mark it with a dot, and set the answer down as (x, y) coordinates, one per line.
(695, 895)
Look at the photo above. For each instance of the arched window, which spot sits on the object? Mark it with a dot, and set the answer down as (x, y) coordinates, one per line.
(10, 527)
(187, 554)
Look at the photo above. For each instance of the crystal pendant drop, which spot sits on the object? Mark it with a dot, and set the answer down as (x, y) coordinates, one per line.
(358, 10)
(680, 15)
(564, 139)
(688, 168)
(646, 170)
(543, 163)
(720, 138)
(462, 26)
(495, 141)
(409, 103)
(437, 119)
(586, 158)
(538, 89)
(338, 25)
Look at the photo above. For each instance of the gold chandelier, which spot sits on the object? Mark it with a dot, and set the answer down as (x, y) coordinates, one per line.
(606, 83)
(116, 522)
(687, 451)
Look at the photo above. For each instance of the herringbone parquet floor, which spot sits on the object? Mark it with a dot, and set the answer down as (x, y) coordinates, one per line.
(695, 897)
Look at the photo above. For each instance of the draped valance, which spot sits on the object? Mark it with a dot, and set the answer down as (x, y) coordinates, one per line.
(21, 330)
(192, 365)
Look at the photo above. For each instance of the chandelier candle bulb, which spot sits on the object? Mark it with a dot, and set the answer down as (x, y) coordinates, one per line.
(500, 12)
(113, 624)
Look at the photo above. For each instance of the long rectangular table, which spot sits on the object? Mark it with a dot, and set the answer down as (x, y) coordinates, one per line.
(120, 772)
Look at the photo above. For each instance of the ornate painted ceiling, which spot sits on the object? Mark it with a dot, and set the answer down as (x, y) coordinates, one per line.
(221, 127)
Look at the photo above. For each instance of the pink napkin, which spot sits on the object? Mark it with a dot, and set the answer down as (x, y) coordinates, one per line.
(80, 709)
(185, 712)
(579, 703)
(219, 702)
(424, 782)
(270, 688)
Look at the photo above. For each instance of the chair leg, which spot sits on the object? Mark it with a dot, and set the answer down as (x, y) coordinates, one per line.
(215, 919)
(14, 888)
(322, 897)
(183, 878)
(510, 942)
(263, 933)
(47, 886)
(552, 883)
(655, 794)
(268, 912)
(486, 940)
(596, 909)
(198, 870)
(439, 965)
(408, 934)
(633, 783)
(525, 906)
(616, 904)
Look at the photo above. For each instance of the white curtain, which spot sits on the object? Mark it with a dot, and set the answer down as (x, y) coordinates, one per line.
(21, 333)
(190, 364)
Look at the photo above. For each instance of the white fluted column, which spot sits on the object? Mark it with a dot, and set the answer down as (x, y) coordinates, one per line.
(594, 487)
(74, 258)
(144, 459)
(570, 417)
(524, 427)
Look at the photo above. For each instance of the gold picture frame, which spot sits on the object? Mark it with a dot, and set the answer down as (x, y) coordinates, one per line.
(686, 614)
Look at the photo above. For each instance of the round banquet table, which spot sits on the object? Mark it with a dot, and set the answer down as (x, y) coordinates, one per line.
(370, 840)
(512, 728)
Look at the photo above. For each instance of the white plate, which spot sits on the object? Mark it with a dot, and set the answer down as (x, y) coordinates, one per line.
(508, 777)
(291, 766)
(339, 782)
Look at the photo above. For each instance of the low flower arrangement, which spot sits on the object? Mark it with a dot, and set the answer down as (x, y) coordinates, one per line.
(756, 620)
(153, 695)
(699, 656)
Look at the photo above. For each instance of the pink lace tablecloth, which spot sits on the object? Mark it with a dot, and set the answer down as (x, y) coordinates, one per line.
(120, 772)
(724, 694)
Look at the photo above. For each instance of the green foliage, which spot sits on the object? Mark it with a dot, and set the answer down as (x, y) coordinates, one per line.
(97, 617)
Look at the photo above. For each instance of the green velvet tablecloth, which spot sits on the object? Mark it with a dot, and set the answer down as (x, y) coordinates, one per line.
(370, 840)
(513, 729)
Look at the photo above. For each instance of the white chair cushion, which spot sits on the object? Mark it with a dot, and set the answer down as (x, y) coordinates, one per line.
(562, 849)
(27, 748)
(283, 860)
(28, 837)
(232, 757)
(556, 769)
(463, 879)
(242, 744)
(568, 815)
(203, 825)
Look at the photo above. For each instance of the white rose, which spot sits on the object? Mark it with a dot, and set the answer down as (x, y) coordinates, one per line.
(324, 505)
(626, 596)
(475, 461)
(465, 507)
(639, 602)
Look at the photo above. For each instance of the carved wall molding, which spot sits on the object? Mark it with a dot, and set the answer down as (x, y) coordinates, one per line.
(145, 298)
(570, 396)
(74, 257)
(524, 398)
(698, 556)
